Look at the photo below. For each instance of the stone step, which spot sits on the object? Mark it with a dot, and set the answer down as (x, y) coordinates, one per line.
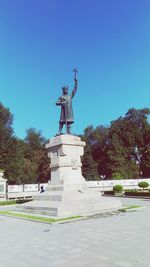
(55, 188)
(47, 204)
(66, 187)
(52, 197)
(38, 210)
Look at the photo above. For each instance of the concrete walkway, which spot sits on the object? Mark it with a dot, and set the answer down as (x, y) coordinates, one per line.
(108, 241)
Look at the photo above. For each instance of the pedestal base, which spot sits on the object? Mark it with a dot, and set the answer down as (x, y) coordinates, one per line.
(68, 194)
(60, 202)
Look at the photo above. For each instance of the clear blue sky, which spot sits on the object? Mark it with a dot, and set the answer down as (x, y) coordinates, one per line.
(41, 41)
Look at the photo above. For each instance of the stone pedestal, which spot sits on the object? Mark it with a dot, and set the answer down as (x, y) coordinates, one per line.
(3, 182)
(65, 153)
(67, 194)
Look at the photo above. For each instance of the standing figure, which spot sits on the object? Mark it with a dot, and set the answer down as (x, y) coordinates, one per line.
(65, 101)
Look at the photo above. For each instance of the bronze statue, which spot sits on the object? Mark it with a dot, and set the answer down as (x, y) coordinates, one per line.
(65, 101)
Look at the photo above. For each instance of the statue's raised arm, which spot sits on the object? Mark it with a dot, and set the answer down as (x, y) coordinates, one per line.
(76, 83)
(75, 87)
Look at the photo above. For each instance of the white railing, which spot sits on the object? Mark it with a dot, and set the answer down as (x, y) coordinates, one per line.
(25, 188)
(108, 184)
(103, 185)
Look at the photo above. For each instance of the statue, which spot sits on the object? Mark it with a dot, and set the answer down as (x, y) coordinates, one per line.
(65, 101)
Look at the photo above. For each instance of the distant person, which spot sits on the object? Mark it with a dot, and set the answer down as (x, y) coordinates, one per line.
(42, 189)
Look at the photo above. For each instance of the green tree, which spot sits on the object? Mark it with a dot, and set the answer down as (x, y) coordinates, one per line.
(100, 142)
(143, 184)
(89, 165)
(126, 134)
(6, 137)
(15, 172)
(37, 165)
(24, 161)
(34, 139)
(118, 188)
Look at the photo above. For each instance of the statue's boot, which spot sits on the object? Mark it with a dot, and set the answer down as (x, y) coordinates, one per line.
(68, 129)
(60, 129)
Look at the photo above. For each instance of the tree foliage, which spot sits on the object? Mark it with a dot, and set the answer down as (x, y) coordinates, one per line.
(122, 149)
(143, 184)
(118, 188)
(36, 156)
(24, 161)
(89, 165)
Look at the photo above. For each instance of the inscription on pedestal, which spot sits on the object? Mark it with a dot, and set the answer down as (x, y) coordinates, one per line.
(74, 164)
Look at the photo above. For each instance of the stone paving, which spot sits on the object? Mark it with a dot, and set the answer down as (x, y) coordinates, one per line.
(118, 241)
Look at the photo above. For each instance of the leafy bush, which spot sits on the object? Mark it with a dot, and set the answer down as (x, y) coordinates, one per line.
(118, 188)
(117, 175)
(143, 184)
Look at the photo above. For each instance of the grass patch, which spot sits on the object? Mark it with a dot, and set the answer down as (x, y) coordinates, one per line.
(13, 202)
(130, 208)
(37, 218)
(7, 202)
(133, 207)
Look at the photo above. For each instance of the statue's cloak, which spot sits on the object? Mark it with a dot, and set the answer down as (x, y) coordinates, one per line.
(66, 115)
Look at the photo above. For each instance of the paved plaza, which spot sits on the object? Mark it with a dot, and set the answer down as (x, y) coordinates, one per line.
(120, 240)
